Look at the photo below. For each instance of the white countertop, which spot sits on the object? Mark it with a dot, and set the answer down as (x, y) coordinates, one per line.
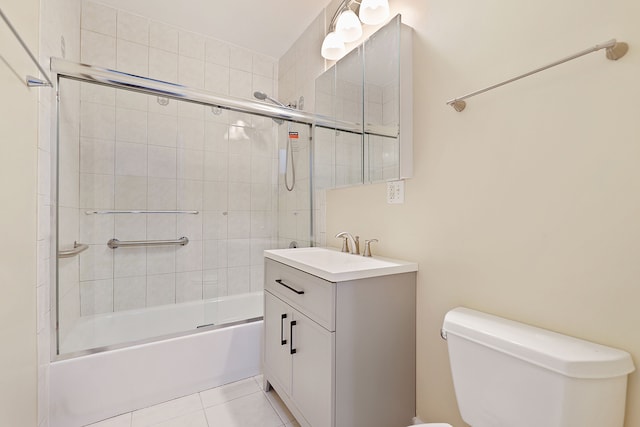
(336, 266)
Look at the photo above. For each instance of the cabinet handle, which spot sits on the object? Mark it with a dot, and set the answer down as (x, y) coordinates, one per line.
(280, 282)
(282, 340)
(291, 349)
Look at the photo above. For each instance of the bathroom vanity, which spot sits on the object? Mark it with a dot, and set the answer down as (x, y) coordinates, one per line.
(339, 337)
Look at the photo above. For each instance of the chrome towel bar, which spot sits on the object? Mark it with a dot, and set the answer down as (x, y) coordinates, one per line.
(115, 243)
(77, 248)
(614, 51)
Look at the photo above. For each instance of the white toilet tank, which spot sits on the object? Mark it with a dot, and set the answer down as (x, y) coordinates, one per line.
(508, 374)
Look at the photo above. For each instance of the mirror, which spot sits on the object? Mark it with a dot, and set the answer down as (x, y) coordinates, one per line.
(366, 102)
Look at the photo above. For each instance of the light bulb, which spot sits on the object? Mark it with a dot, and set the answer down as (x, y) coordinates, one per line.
(374, 12)
(333, 47)
(348, 26)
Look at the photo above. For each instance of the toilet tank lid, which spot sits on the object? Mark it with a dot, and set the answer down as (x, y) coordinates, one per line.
(566, 355)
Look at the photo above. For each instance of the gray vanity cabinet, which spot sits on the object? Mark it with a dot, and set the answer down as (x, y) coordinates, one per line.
(341, 354)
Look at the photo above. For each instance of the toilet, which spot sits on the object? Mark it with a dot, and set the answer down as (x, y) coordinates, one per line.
(509, 374)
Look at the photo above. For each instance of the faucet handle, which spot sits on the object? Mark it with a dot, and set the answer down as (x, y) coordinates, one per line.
(367, 247)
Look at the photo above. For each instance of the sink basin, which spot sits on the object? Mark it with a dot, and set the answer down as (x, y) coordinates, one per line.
(336, 266)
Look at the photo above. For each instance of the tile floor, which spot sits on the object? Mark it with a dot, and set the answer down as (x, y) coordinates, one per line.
(239, 404)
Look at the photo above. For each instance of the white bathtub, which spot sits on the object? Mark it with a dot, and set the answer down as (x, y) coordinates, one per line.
(93, 387)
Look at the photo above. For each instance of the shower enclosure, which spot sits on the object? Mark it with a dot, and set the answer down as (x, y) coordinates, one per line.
(166, 199)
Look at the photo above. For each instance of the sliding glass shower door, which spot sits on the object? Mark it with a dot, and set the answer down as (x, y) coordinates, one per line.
(164, 209)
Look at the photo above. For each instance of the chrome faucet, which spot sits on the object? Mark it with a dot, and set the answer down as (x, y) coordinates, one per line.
(349, 243)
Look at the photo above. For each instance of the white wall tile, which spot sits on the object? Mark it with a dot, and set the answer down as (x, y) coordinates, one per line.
(96, 229)
(133, 28)
(162, 162)
(189, 286)
(214, 225)
(190, 226)
(96, 263)
(190, 133)
(216, 137)
(163, 37)
(97, 121)
(96, 297)
(189, 257)
(98, 49)
(216, 166)
(239, 224)
(98, 18)
(240, 59)
(161, 260)
(191, 164)
(191, 72)
(129, 262)
(238, 252)
(97, 94)
(217, 78)
(264, 66)
(132, 100)
(130, 192)
(97, 156)
(130, 226)
(239, 197)
(239, 168)
(162, 226)
(162, 194)
(132, 58)
(163, 65)
(241, 84)
(211, 256)
(129, 293)
(131, 125)
(238, 280)
(261, 224)
(131, 159)
(217, 52)
(215, 196)
(162, 130)
(161, 289)
(190, 195)
(191, 45)
(96, 191)
(261, 196)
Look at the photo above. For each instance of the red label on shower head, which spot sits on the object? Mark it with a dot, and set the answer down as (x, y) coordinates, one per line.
(293, 135)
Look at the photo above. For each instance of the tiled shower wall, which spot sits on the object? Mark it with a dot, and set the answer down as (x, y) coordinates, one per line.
(298, 69)
(136, 153)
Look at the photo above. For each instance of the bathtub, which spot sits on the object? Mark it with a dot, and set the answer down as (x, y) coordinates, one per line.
(224, 345)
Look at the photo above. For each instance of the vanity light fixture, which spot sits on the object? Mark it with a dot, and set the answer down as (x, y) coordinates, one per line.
(346, 26)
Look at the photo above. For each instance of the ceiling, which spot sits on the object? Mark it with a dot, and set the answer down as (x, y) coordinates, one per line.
(266, 26)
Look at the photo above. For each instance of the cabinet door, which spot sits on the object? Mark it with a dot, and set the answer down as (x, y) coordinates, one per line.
(277, 357)
(313, 371)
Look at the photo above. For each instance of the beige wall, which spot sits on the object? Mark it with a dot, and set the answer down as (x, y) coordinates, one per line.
(18, 164)
(527, 204)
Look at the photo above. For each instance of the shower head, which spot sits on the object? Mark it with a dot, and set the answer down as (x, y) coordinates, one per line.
(262, 96)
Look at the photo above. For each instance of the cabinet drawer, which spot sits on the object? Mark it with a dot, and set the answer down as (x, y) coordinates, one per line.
(312, 296)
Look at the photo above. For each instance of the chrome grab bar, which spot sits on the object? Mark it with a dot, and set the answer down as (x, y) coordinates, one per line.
(77, 248)
(140, 212)
(115, 243)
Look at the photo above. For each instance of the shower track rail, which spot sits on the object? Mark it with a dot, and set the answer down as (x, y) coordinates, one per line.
(113, 78)
(140, 212)
(115, 243)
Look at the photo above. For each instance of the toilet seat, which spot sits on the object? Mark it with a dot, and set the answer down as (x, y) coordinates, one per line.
(432, 425)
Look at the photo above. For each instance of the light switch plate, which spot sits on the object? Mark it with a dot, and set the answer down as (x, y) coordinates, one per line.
(395, 192)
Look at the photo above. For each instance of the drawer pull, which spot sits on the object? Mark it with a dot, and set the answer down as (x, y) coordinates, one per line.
(291, 349)
(282, 340)
(280, 282)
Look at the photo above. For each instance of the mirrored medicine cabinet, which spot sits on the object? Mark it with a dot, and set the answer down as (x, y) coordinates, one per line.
(365, 101)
